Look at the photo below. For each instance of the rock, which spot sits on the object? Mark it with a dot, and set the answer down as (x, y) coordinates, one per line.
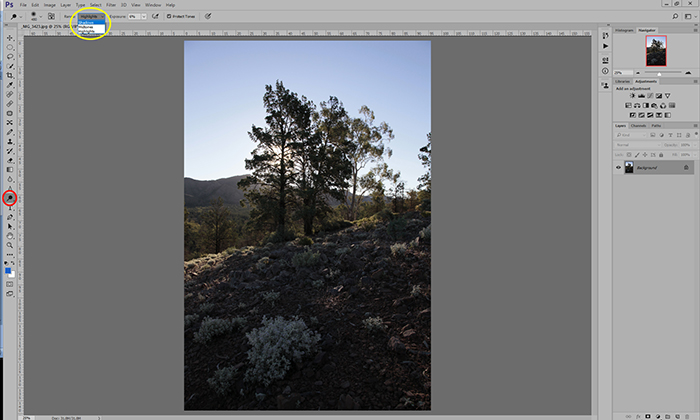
(256, 285)
(321, 357)
(399, 302)
(425, 314)
(287, 390)
(345, 384)
(328, 368)
(327, 343)
(366, 281)
(378, 274)
(396, 345)
(348, 280)
(318, 383)
(278, 253)
(322, 258)
(346, 402)
(242, 276)
(288, 403)
(274, 269)
(309, 372)
(409, 333)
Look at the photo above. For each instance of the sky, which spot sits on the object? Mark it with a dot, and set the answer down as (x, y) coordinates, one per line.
(225, 83)
(660, 38)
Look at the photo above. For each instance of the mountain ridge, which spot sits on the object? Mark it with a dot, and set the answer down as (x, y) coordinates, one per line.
(200, 193)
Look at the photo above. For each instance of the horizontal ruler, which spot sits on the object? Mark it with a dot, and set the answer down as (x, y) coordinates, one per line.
(315, 33)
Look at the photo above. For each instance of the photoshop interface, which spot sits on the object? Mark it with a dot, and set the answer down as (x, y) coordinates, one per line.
(565, 280)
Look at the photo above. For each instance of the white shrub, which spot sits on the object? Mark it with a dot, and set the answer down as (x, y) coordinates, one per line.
(212, 327)
(221, 381)
(275, 345)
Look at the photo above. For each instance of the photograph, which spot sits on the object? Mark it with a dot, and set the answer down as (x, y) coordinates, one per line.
(656, 50)
(307, 225)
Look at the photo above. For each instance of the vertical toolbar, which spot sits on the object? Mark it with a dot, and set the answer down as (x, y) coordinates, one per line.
(12, 108)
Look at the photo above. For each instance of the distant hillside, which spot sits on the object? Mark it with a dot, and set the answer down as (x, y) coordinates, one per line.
(200, 193)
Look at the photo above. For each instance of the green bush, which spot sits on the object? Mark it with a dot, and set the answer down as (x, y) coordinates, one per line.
(274, 347)
(210, 328)
(222, 379)
(374, 325)
(271, 297)
(425, 234)
(206, 307)
(262, 263)
(367, 224)
(306, 241)
(341, 251)
(238, 322)
(384, 215)
(398, 249)
(190, 320)
(333, 225)
(279, 237)
(306, 259)
(424, 205)
(396, 228)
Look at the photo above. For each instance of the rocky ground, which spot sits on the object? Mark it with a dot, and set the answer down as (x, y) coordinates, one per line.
(656, 58)
(354, 276)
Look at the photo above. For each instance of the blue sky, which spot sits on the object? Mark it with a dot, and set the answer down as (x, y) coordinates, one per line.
(225, 83)
(661, 38)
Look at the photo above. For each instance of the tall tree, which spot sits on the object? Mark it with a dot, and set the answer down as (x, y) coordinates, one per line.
(368, 146)
(412, 200)
(269, 188)
(399, 197)
(188, 234)
(218, 225)
(374, 183)
(425, 158)
(323, 163)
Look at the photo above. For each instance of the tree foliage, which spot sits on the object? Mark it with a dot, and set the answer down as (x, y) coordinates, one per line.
(270, 187)
(300, 162)
(218, 227)
(322, 161)
(368, 146)
(425, 158)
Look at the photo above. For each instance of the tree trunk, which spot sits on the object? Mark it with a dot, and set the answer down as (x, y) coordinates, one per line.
(282, 203)
(354, 192)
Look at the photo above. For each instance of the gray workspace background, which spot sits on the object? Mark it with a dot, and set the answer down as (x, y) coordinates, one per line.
(511, 270)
